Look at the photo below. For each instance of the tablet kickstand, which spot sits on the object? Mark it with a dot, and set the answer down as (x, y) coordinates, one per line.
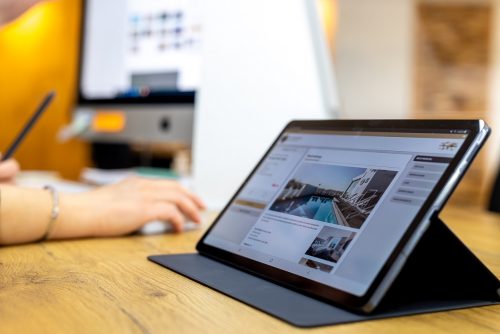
(441, 274)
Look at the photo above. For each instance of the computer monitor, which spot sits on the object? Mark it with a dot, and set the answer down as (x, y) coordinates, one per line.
(140, 58)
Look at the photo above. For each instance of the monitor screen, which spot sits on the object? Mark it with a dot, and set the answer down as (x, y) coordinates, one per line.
(140, 51)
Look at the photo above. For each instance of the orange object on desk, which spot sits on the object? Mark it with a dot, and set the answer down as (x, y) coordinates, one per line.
(109, 122)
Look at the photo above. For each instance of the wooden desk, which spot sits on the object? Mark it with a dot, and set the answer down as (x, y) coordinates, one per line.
(108, 286)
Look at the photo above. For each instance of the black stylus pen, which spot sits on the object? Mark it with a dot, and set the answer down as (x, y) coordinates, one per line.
(27, 127)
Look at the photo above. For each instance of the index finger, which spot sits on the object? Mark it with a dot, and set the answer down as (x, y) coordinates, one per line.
(188, 193)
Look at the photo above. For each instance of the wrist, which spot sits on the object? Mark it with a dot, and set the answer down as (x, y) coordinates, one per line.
(76, 219)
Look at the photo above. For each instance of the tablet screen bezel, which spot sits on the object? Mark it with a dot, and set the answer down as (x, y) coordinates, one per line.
(315, 288)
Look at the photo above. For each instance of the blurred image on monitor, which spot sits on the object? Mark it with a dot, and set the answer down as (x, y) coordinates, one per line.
(140, 51)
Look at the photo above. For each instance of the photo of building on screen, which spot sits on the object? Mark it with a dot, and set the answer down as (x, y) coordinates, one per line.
(330, 244)
(333, 194)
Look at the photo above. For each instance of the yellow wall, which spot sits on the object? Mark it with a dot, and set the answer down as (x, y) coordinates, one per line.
(328, 15)
(39, 52)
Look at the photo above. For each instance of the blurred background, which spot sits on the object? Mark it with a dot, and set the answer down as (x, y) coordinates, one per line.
(392, 59)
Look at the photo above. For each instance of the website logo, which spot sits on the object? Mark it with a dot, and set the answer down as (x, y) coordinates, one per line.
(448, 146)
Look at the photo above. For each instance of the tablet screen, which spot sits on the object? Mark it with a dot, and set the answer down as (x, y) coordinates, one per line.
(331, 206)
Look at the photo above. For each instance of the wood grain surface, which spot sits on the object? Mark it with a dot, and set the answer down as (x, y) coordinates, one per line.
(108, 286)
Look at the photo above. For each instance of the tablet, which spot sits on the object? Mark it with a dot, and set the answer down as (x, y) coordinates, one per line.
(334, 208)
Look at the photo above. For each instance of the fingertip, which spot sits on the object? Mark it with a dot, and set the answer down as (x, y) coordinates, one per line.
(9, 169)
(176, 225)
(169, 213)
(195, 198)
(15, 164)
(197, 219)
(201, 204)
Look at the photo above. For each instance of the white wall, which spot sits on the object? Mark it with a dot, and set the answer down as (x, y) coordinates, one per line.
(374, 58)
(260, 70)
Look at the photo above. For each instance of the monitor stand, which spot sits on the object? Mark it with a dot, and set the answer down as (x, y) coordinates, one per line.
(441, 274)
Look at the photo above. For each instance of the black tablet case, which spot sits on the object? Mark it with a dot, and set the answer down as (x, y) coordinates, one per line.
(441, 274)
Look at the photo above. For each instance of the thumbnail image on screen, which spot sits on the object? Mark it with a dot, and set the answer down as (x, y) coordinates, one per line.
(329, 245)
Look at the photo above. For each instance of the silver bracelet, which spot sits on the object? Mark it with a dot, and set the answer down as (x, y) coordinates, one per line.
(54, 213)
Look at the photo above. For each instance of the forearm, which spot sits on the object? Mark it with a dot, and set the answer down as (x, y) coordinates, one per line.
(114, 210)
(25, 216)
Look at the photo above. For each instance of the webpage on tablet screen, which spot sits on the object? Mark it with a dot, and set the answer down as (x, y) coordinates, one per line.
(323, 205)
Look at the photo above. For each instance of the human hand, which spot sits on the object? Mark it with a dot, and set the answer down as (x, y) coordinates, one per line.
(11, 9)
(126, 206)
(8, 170)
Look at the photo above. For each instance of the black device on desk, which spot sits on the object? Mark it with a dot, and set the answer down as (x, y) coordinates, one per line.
(28, 126)
(334, 210)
